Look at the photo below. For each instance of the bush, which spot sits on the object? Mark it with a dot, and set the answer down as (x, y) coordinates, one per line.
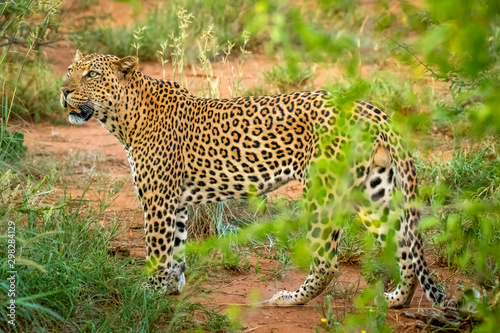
(289, 79)
(32, 88)
(11, 146)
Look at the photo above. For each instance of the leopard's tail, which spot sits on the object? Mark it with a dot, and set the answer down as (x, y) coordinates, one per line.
(411, 237)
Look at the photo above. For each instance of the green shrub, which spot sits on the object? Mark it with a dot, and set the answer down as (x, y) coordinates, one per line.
(11, 146)
(464, 197)
(290, 78)
(31, 90)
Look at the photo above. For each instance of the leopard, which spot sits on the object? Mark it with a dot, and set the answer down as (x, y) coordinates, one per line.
(186, 150)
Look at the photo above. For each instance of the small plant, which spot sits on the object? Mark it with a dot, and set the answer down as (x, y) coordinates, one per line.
(179, 44)
(350, 246)
(11, 146)
(208, 220)
(289, 78)
(164, 57)
(138, 34)
(208, 51)
(236, 82)
(329, 318)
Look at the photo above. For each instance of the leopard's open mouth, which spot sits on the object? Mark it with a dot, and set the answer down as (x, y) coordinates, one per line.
(81, 114)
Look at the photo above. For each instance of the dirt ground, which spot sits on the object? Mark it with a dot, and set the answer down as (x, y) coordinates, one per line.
(99, 152)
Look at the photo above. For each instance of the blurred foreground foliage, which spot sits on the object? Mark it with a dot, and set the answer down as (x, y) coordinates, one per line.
(453, 44)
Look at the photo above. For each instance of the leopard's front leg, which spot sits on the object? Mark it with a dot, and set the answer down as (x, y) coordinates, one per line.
(158, 187)
(164, 261)
(177, 280)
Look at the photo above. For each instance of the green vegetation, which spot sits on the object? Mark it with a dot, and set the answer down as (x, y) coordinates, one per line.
(67, 279)
(289, 79)
(11, 146)
(464, 199)
(163, 25)
(434, 70)
(28, 85)
(32, 89)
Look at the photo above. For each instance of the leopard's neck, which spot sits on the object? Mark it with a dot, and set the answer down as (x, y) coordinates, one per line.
(146, 104)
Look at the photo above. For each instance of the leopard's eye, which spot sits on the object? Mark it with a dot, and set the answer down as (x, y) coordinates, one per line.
(69, 71)
(92, 74)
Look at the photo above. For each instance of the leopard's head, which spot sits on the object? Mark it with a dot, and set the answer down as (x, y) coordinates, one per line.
(95, 86)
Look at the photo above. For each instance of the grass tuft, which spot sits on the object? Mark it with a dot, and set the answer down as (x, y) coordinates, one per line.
(66, 278)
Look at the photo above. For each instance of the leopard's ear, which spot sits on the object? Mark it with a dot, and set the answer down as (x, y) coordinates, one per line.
(127, 65)
(79, 55)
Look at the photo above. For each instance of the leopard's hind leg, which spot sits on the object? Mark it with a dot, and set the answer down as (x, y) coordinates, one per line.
(383, 217)
(321, 201)
(323, 238)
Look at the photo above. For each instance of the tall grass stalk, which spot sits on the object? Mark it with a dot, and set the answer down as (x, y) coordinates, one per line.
(164, 57)
(138, 34)
(208, 51)
(178, 45)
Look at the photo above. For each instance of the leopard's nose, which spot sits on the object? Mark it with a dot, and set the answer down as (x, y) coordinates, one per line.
(66, 91)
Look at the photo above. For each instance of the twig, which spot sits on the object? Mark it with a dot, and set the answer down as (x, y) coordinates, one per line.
(23, 42)
(252, 329)
(225, 285)
(420, 302)
(450, 318)
(407, 49)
